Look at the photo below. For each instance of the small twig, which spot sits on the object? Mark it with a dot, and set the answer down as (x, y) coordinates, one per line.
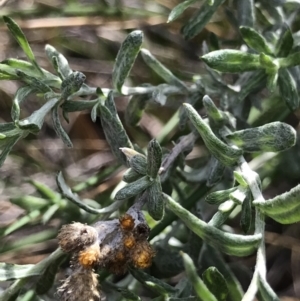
(186, 143)
(67, 193)
(260, 267)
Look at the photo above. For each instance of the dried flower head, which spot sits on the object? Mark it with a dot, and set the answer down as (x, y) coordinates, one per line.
(81, 285)
(90, 256)
(142, 255)
(76, 236)
(129, 241)
(127, 222)
(112, 245)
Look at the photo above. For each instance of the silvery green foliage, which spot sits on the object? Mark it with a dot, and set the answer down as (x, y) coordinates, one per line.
(159, 178)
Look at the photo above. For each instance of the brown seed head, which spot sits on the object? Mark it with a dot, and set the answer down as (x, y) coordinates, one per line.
(90, 256)
(74, 237)
(127, 222)
(142, 255)
(129, 242)
(81, 285)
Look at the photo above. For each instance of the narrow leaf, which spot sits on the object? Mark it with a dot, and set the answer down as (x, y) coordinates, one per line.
(284, 208)
(196, 24)
(272, 81)
(94, 112)
(220, 217)
(285, 42)
(226, 207)
(161, 70)
(215, 172)
(9, 71)
(216, 283)
(126, 57)
(155, 201)
(219, 197)
(48, 214)
(35, 121)
(131, 175)
(216, 116)
(31, 216)
(291, 60)
(234, 244)
(114, 131)
(154, 158)
(60, 63)
(255, 40)
(288, 89)
(233, 61)
(200, 288)
(179, 9)
(239, 177)
(8, 145)
(78, 105)
(73, 197)
(153, 283)
(254, 83)
(19, 97)
(272, 137)
(266, 290)
(110, 104)
(29, 68)
(246, 215)
(246, 12)
(21, 39)
(9, 271)
(128, 295)
(34, 82)
(4, 76)
(214, 258)
(61, 133)
(45, 191)
(139, 164)
(133, 188)
(29, 202)
(6, 127)
(223, 152)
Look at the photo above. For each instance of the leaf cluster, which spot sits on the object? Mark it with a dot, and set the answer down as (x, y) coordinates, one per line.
(174, 195)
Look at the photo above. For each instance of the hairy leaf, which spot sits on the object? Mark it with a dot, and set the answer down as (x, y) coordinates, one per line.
(126, 57)
(233, 61)
(216, 283)
(273, 137)
(21, 39)
(226, 154)
(234, 244)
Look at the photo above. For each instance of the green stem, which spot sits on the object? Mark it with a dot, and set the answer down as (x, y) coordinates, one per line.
(260, 267)
(169, 89)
